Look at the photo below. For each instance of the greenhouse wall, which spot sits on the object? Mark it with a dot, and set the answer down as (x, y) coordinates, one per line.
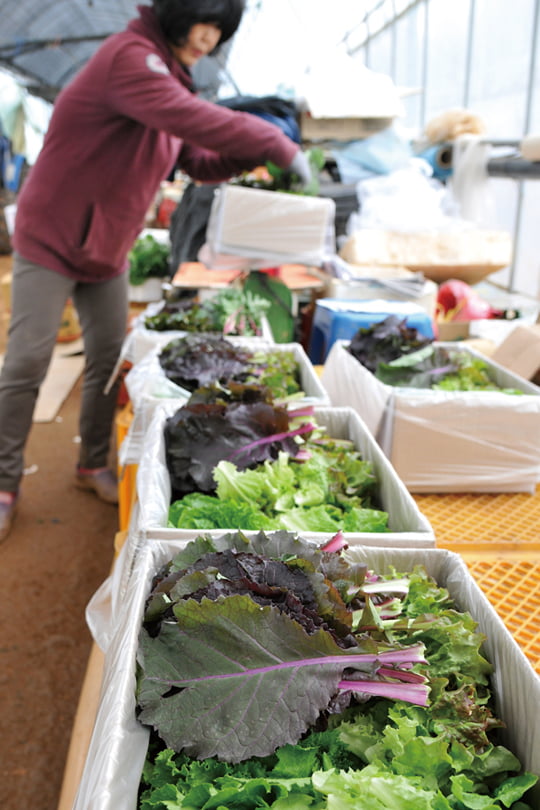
(477, 54)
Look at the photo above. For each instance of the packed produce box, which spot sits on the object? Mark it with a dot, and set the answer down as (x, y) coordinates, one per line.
(446, 440)
(391, 751)
(160, 376)
(230, 312)
(364, 496)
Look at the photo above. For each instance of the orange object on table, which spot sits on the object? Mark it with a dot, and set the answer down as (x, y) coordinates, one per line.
(196, 274)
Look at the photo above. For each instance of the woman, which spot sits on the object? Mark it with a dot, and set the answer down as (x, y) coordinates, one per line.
(116, 132)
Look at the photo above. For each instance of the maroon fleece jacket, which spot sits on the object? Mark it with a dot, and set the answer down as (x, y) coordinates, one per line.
(116, 132)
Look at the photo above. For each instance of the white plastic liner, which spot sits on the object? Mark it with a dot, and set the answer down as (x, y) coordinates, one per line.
(407, 524)
(147, 385)
(269, 227)
(446, 441)
(117, 749)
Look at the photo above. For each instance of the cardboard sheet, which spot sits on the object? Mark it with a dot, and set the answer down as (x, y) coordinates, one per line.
(65, 369)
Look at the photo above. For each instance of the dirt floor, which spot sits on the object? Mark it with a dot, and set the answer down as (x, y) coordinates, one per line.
(59, 551)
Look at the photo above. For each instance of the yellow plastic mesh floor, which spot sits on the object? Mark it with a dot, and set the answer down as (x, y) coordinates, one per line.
(504, 522)
(512, 585)
(499, 539)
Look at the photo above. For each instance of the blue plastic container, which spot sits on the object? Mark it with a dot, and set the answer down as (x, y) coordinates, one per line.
(340, 319)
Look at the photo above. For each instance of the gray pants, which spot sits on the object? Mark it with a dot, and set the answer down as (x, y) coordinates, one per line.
(38, 299)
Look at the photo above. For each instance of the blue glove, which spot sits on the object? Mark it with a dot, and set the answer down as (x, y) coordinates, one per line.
(300, 166)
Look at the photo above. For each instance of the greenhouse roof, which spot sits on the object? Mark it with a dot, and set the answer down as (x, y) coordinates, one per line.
(46, 43)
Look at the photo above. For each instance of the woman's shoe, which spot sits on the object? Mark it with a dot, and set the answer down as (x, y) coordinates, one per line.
(101, 481)
(8, 507)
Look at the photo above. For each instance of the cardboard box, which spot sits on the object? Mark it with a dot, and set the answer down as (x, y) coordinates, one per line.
(453, 330)
(148, 385)
(444, 441)
(520, 352)
(272, 226)
(340, 129)
(407, 525)
(118, 746)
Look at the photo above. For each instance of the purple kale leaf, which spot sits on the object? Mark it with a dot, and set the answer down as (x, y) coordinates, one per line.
(197, 360)
(385, 341)
(198, 436)
(232, 679)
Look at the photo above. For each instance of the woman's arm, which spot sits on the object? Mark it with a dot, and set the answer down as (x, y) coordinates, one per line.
(141, 87)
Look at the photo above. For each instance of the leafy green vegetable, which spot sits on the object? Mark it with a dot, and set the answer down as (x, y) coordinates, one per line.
(385, 341)
(277, 370)
(472, 374)
(198, 360)
(240, 652)
(249, 431)
(148, 258)
(277, 179)
(199, 511)
(236, 312)
(231, 311)
(379, 753)
(440, 369)
(423, 368)
(333, 489)
(194, 361)
(399, 355)
(273, 677)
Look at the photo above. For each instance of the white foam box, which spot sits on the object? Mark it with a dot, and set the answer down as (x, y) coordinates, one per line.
(148, 385)
(407, 525)
(150, 290)
(271, 225)
(118, 746)
(446, 441)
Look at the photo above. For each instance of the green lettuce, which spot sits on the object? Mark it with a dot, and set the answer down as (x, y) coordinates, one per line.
(380, 754)
(330, 491)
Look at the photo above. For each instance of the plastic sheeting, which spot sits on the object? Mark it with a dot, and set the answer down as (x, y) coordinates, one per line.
(24, 119)
(446, 441)
(268, 228)
(118, 745)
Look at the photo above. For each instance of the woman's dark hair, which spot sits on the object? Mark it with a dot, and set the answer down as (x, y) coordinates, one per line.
(176, 17)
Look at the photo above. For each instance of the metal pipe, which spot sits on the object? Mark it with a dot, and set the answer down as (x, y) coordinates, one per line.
(513, 167)
(504, 166)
